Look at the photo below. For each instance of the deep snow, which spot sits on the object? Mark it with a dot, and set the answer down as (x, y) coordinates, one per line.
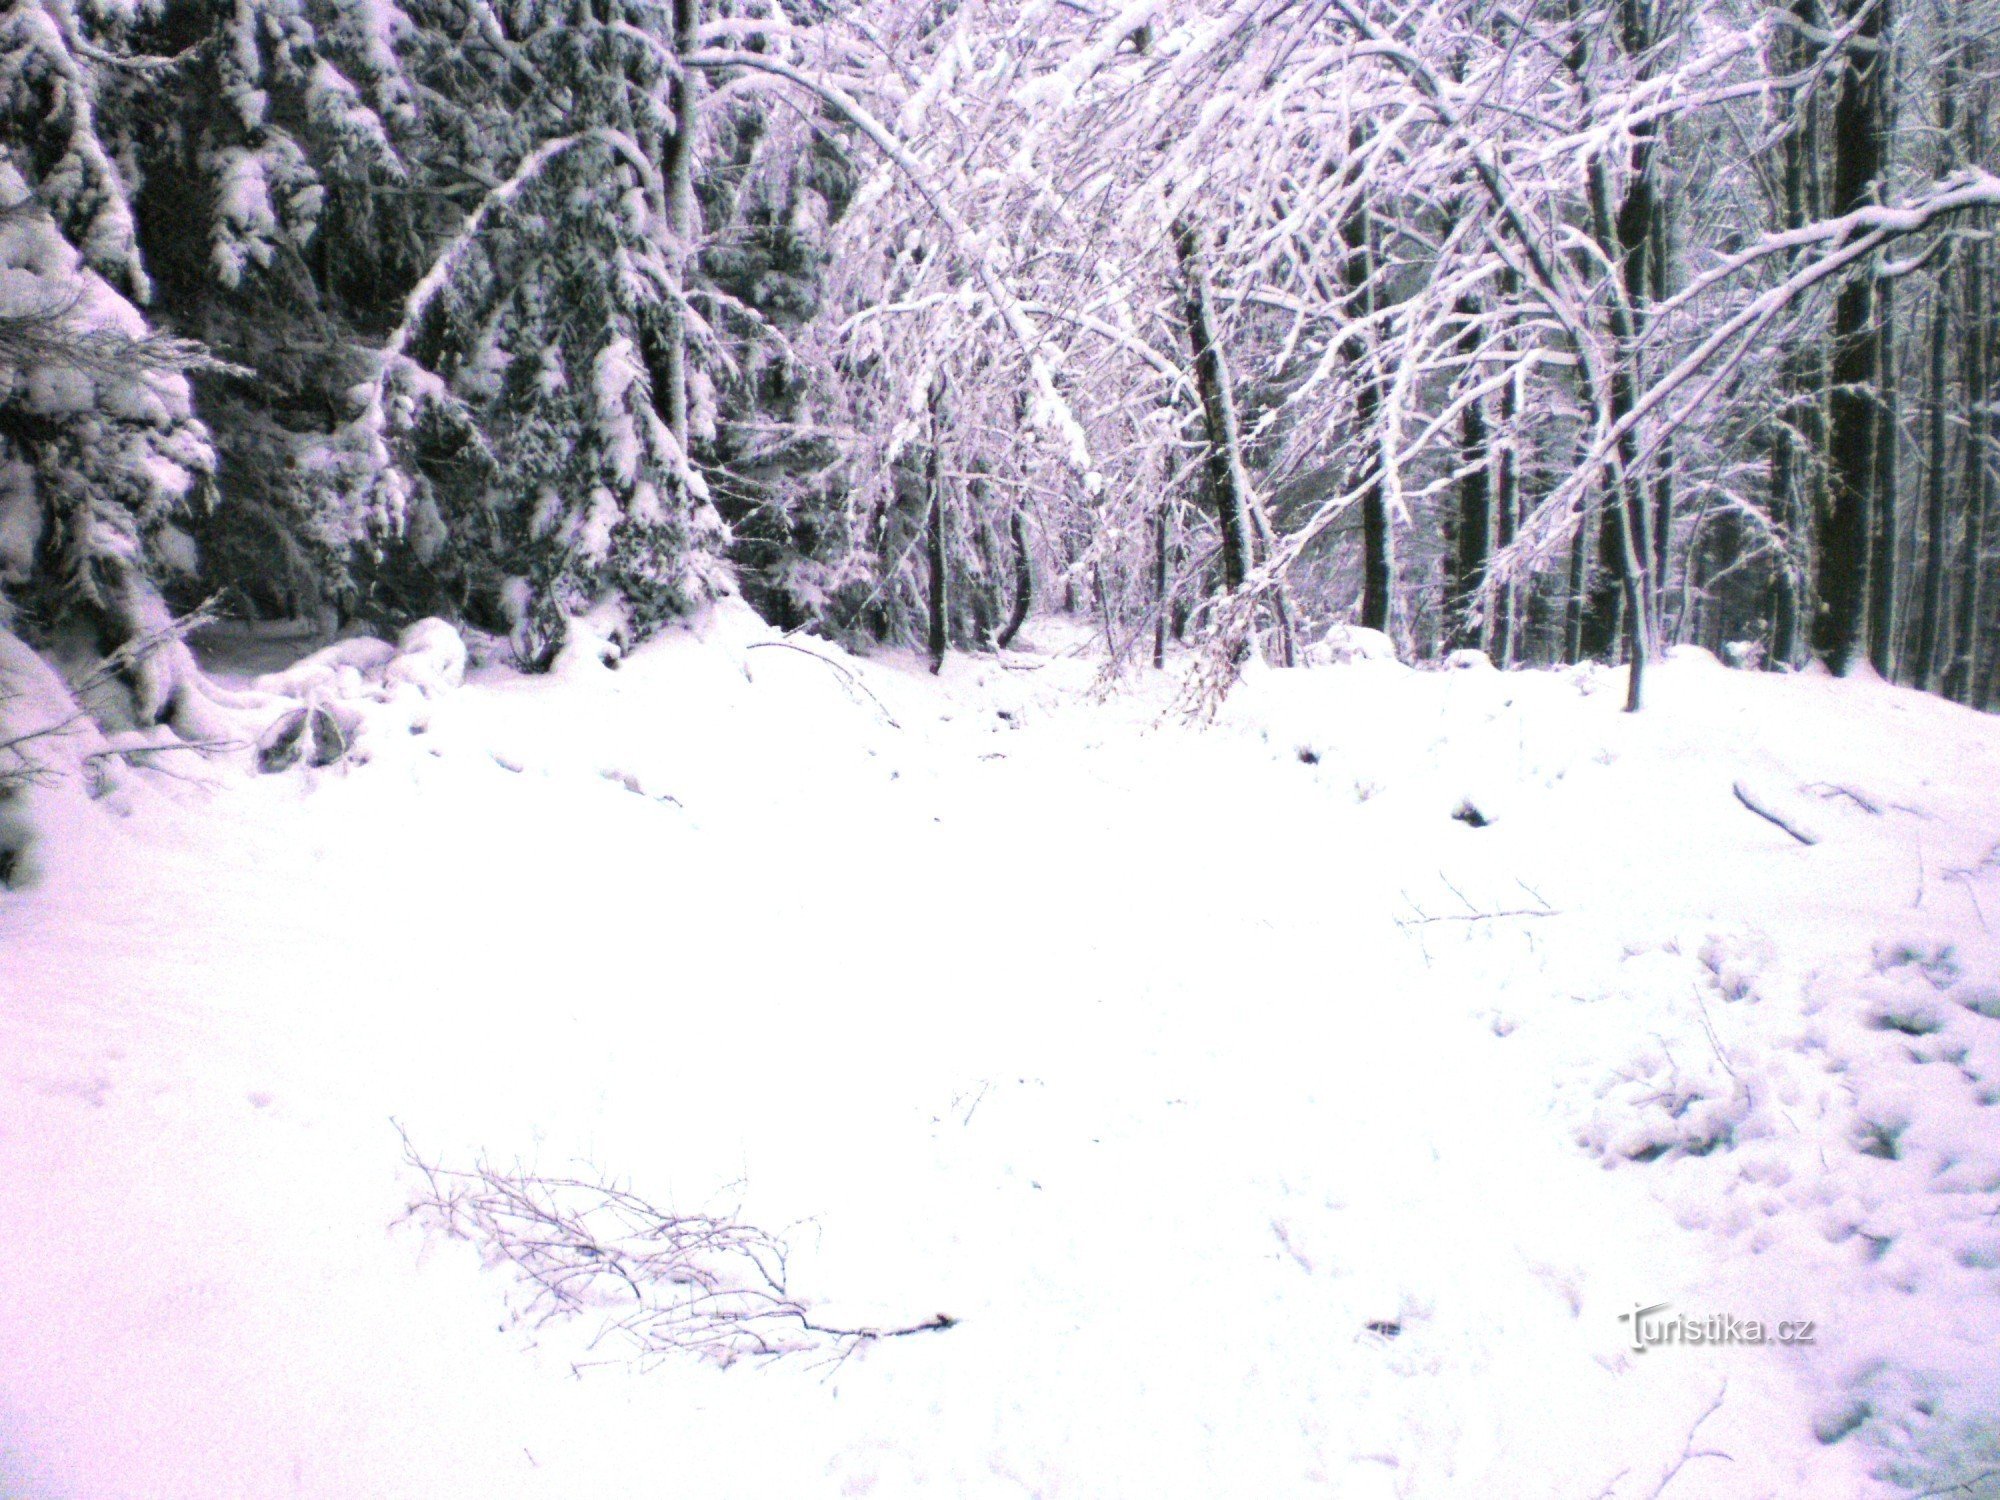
(1269, 1129)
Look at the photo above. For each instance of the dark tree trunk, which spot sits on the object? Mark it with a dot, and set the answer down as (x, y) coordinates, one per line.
(1466, 605)
(1574, 602)
(1105, 616)
(934, 539)
(1378, 562)
(1931, 636)
(1784, 601)
(1882, 536)
(1786, 517)
(1378, 567)
(1024, 581)
(1602, 618)
(1162, 525)
(1976, 380)
(1227, 484)
(1658, 266)
(1842, 554)
(1796, 477)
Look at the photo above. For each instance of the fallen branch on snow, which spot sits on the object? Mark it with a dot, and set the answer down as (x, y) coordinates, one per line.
(1827, 791)
(1423, 918)
(1688, 1450)
(663, 1283)
(1472, 912)
(1763, 807)
(847, 677)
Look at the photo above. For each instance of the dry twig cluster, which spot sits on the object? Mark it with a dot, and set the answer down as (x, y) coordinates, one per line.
(662, 1283)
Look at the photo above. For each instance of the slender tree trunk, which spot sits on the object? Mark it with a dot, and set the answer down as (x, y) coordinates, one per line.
(1963, 676)
(1888, 453)
(1852, 420)
(934, 529)
(1162, 524)
(1623, 602)
(1638, 621)
(1785, 515)
(1024, 581)
(1378, 562)
(1659, 275)
(1937, 530)
(1625, 536)
(1281, 604)
(1574, 602)
(1506, 522)
(1378, 567)
(1227, 484)
(1465, 604)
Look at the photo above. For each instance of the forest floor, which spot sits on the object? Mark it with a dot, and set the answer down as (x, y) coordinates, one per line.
(1297, 1104)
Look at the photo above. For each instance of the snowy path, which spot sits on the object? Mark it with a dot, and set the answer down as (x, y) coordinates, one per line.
(1110, 1045)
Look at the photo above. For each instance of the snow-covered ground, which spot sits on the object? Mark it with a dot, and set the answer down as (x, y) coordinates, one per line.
(1287, 1106)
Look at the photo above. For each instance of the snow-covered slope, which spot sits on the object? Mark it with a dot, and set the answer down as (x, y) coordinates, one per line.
(1288, 1106)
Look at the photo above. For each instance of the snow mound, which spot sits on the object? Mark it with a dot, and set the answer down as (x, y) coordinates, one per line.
(430, 657)
(1350, 643)
(341, 670)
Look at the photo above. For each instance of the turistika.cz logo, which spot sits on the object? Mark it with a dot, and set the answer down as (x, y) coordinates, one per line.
(1650, 1330)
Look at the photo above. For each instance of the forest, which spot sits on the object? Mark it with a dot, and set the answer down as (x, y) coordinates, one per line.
(1561, 331)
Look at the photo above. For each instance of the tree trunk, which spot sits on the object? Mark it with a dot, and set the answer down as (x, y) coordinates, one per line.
(1888, 453)
(1931, 636)
(1573, 598)
(934, 539)
(1506, 522)
(682, 211)
(1024, 581)
(1281, 604)
(1842, 553)
(1658, 266)
(1786, 517)
(1624, 536)
(1378, 567)
(1162, 523)
(1624, 597)
(1227, 484)
(1796, 476)
(1378, 563)
(1976, 380)
(1466, 611)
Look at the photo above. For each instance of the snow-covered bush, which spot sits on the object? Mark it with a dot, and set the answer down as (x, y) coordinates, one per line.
(101, 461)
(430, 657)
(44, 744)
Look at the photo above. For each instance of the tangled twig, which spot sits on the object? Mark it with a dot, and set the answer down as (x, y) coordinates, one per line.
(663, 1283)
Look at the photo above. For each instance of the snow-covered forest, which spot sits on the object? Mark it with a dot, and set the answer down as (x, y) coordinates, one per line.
(1052, 747)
